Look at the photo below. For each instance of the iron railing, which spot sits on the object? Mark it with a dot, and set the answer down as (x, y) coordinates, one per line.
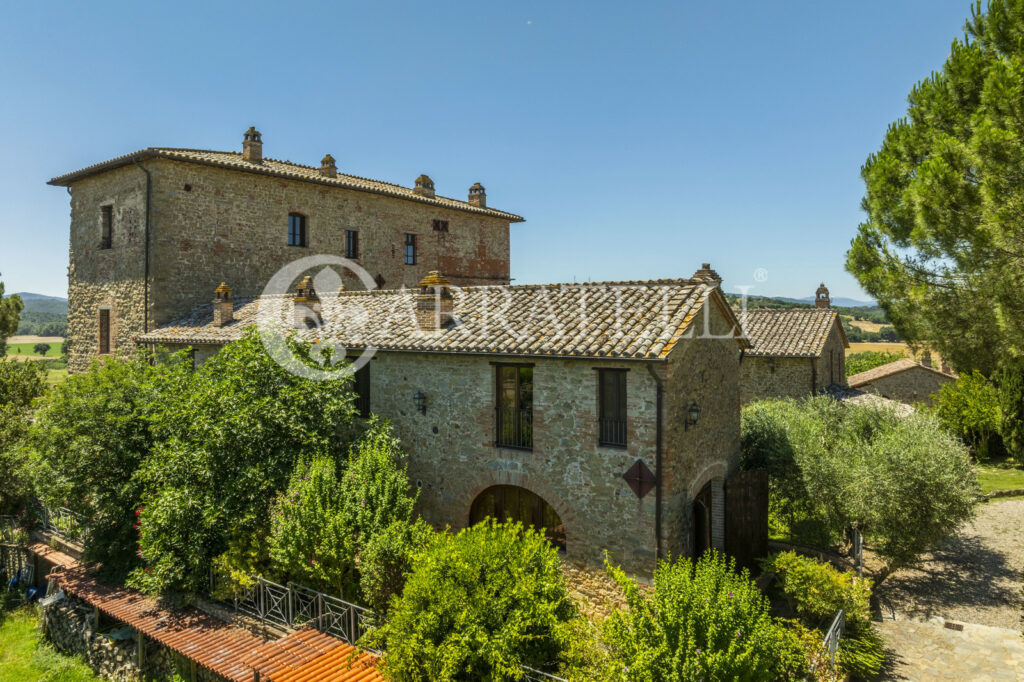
(834, 634)
(514, 428)
(531, 675)
(64, 523)
(612, 432)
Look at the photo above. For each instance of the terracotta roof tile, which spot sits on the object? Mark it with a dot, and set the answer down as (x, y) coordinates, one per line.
(284, 169)
(632, 320)
(888, 370)
(795, 333)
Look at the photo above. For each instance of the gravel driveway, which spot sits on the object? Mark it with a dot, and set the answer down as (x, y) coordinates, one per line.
(975, 578)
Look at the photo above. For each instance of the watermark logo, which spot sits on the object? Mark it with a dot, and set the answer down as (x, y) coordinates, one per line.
(282, 311)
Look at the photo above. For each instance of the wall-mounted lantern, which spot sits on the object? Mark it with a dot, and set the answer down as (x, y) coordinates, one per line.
(692, 415)
(421, 401)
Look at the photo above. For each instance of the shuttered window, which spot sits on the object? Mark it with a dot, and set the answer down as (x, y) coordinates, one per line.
(104, 332)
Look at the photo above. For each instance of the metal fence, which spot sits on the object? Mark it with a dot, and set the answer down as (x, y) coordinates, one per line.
(64, 523)
(531, 675)
(834, 634)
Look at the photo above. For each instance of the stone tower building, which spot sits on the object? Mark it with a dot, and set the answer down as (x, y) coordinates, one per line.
(155, 231)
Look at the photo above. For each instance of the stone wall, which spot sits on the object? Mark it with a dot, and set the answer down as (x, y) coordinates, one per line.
(781, 377)
(210, 225)
(69, 626)
(911, 386)
(111, 278)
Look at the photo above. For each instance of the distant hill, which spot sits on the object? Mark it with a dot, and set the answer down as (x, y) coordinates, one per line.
(839, 302)
(43, 315)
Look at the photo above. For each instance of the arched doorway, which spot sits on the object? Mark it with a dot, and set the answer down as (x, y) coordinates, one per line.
(702, 521)
(512, 503)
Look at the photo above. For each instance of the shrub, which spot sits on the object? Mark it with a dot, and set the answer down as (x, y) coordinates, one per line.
(1011, 402)
(861, 653)
(869, 359)
(321, 523)
(816, 591)
(969, 408)
(20, 384)
(702, 621)
(478, 605)
(387, 560)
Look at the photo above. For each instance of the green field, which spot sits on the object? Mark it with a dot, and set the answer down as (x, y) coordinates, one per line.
(1000, 475)
(26, 349)
(23, 658)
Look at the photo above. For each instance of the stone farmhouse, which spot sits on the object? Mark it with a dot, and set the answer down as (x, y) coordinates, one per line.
(153, 232)
(904, 380)
(607, 413)
(793, 352)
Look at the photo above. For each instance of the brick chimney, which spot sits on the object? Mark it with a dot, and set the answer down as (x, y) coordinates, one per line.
(252, 146)
(821, 297)
(424, 186)
(478, 195)
(223, 306)
(328, 168)
(434, 304)
(707, 274)
(306, 313)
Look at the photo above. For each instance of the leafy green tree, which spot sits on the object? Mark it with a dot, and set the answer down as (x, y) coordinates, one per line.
(702, 621)
(91, 436)
(905, 482)
(41, 348)
(869, 359)
(1011, 402)
(941, 248)
(477, 606)
(387, 560)
(969, 408)
(20, 384)
(321, 523)
(226, 446)
(10, 313)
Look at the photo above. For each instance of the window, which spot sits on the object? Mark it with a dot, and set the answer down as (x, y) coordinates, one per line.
(351, 243)
(612, 404)
(362, 388)
(410, 249)
(514, 407)
(296, 229)
(440, 226)
(107, 228)
(509, 502)
(104, 331)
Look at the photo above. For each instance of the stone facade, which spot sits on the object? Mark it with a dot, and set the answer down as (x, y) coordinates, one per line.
(453, 457)
(209, 224)
(794, 377)
(914, 385)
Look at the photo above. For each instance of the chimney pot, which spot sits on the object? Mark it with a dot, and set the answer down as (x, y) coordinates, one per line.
(821, 297)
(424, 186)
(434, 305)
(478, 195)
(328, 168)
(252, 145)
(223, 305)
(706, 273)
(307, 305)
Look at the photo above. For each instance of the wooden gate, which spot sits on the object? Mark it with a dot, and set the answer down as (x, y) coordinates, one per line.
(746, 517)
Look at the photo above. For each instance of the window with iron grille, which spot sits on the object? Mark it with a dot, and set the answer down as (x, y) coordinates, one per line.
(362, 388)
(410, 249)
(514, 407)
(440, 226)
(107, 228)
(296, 229)
(104, 331)
(612, 405)
(351, 243)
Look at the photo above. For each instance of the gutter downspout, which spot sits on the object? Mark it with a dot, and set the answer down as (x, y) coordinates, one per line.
(145, 277)
(657, 460)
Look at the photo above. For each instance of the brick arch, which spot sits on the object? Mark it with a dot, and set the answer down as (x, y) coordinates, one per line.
(709, 473)
(715, 475)
(535, 485)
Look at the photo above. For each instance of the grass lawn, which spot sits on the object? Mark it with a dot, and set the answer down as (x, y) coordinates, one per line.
(24, 658)
(55, 376)
(1003, 474)
(26, 349)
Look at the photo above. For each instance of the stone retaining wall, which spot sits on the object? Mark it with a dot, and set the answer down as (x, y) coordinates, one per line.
(68, 625)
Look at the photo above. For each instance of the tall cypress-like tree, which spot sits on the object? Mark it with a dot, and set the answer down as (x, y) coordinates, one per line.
(943, 246)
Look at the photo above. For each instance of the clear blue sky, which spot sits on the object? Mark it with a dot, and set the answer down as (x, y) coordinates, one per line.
(637, 139)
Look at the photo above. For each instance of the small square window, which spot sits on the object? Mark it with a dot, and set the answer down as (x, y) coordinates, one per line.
(440, 226)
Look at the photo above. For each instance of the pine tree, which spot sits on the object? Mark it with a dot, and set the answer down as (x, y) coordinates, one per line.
(10, 315)
(942, 248)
